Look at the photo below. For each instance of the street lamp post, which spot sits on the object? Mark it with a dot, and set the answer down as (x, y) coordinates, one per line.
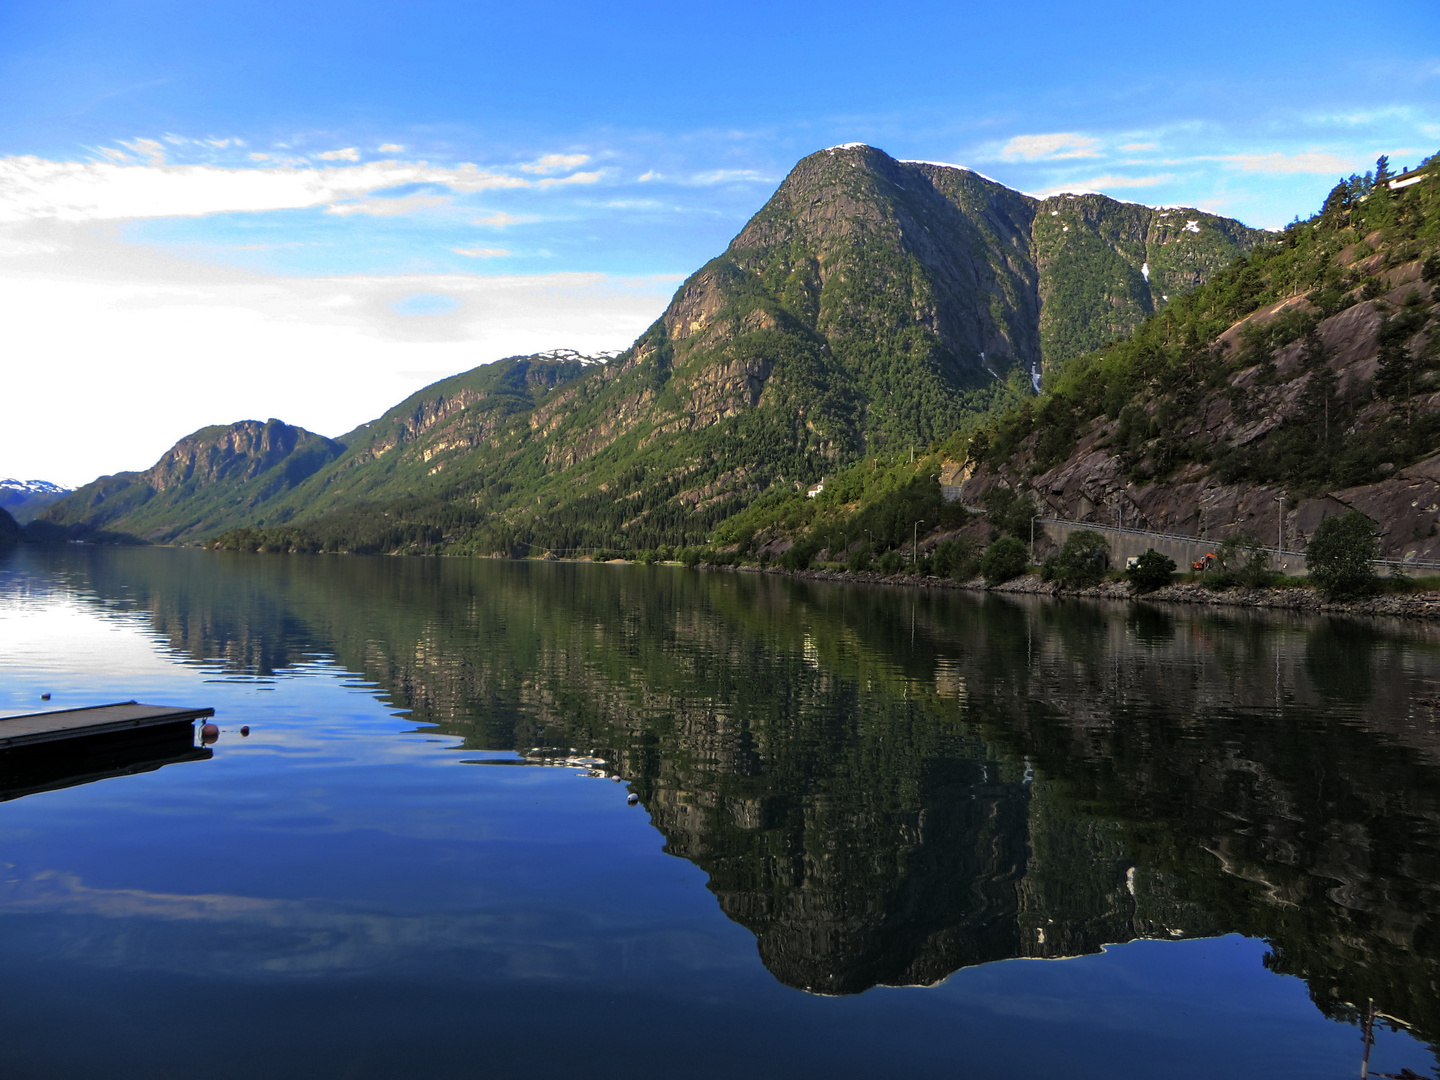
(1280, 534)
(1032, 538)
(915, 544)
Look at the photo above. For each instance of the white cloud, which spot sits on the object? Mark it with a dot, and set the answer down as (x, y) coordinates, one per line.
(259, 157)
(727, 176)
(390, 148)
(149, 149)
(1099, 184)
(408, 204)
(1059, 145)
(481, 253)
(1312, 161)
(1134, 146)
(348, 154)
(648, 176)
(102, 311)
(502, 219)
(573, 178)
(556, 163)
(12, 248)
(33, 188)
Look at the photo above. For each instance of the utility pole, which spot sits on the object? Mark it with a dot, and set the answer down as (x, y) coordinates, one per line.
(915, 544)
(1032, 538)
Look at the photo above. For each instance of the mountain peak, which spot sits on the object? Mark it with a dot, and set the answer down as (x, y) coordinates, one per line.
(870, 303)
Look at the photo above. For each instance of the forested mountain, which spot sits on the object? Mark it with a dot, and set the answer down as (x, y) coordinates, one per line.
(213, 479)
(1302, 380)
(870, 304)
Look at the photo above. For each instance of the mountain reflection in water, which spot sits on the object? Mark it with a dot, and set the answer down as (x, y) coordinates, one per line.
(885, 787)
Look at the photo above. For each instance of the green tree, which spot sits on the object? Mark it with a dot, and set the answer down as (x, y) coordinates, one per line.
(1082, 562)
(1151, 571)
(955, 558)
(1340, 554)
(1006, 558)
(1243, 562)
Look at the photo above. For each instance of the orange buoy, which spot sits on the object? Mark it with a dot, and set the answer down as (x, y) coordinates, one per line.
(209, 733)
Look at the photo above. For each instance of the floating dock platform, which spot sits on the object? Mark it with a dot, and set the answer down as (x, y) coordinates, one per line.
(46, 727)
(51, 750)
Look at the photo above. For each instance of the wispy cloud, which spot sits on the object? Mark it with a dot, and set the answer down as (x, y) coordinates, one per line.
(555, 163)
(390, 148)
(1054, 147)
(1100, 184)
(728, 176)
(573, 178)
(149, 149)
(350, 153)
(501, 219)
(390, 207)
(33, 188)
(1312, 161)
(1134, 146)
(481, 253)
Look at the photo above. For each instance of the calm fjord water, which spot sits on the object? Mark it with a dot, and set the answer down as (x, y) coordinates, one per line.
(871, 825)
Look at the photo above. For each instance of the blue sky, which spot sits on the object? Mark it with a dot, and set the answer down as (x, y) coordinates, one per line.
(189, 191)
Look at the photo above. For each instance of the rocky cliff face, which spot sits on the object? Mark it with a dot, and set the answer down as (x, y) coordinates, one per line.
(1104, 479)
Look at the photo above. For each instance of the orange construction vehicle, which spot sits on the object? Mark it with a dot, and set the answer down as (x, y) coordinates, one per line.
(1203, 564)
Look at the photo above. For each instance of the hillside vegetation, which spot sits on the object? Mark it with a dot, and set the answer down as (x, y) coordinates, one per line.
(1308, 370)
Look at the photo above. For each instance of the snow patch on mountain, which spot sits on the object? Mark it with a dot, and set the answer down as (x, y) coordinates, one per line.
(34, 487)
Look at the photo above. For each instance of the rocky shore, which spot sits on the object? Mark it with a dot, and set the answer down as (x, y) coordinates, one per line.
(1422, 605)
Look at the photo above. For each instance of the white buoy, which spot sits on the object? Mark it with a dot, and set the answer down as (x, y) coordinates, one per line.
(633, 799)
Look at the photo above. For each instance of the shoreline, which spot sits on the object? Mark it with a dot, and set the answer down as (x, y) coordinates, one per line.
(1423, 606)
(1419, 606)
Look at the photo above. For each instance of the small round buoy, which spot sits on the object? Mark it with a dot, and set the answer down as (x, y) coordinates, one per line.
(244, 730)
(209, 733)
(633, 799)
(44, 697)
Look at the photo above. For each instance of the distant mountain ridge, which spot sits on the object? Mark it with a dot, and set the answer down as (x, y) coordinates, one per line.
(870, 303)
(211, 479)
(24, 499)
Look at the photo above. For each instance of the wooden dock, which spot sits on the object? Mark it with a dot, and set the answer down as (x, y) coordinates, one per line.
(51, 750)
(48, 727)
